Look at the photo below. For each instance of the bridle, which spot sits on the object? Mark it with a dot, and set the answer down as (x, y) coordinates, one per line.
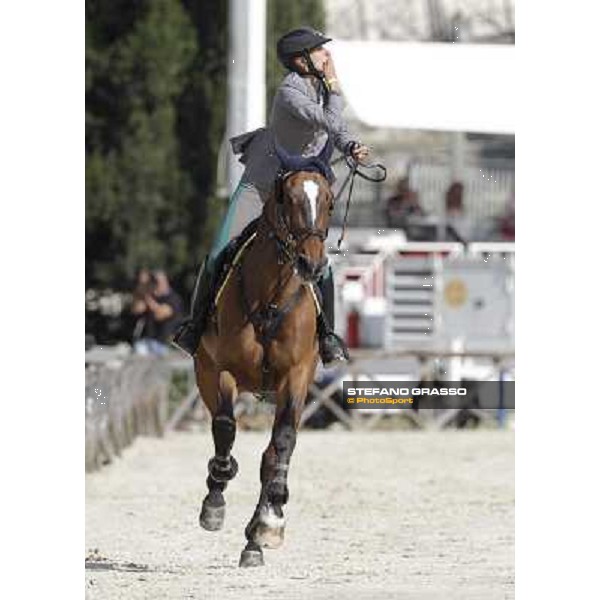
(268, 317)
(288, 239)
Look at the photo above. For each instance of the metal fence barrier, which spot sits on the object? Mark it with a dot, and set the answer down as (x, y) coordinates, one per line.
(128, 396)
(501, 367)
(497, 366)
(124, 398)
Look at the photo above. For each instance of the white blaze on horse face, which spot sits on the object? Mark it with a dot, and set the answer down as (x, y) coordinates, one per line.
(311, 189)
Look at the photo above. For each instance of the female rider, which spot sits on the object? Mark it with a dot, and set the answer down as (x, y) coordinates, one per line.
(306, 109)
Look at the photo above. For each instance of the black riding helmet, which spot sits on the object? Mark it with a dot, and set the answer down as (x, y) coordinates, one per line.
(299, 42)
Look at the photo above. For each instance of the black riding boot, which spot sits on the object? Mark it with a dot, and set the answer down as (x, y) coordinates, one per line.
(188, 335)
(331, 347)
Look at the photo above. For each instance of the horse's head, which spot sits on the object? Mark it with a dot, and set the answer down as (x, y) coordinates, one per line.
(303, 204)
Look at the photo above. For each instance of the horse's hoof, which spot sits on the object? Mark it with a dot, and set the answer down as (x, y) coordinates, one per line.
(269, 528)
(251, 557)
(212, 515)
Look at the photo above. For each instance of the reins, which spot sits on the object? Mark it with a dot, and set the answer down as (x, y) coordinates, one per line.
(353, 166)
(268, 318)
(287, 245)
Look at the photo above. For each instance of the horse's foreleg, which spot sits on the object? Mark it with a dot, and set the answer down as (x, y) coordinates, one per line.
(266, 528)
(222, 467)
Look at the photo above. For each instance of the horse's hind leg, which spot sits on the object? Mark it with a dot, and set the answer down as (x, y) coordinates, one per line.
(266, 527)
(220, 392)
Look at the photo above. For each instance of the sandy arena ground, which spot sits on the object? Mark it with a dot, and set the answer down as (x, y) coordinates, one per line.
(385, 514)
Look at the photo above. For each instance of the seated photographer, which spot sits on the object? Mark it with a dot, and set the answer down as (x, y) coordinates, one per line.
(159, 309)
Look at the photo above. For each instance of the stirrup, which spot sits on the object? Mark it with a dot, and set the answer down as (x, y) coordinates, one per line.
(332, 349)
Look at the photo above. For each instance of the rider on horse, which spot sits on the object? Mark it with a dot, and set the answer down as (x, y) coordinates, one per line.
(306, 110)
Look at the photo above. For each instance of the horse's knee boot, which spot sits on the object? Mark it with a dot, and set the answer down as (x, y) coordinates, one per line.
(222, 467)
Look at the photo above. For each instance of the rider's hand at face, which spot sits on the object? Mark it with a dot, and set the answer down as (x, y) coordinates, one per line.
(330, 73)
(328, 67)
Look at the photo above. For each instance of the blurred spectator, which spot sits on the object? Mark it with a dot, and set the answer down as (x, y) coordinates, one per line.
(403, 204)
(454, 198)
(458, 225)
(506, 224)
(160, 311)
(144, 285)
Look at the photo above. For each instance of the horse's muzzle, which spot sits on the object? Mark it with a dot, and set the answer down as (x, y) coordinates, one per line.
(310, 270)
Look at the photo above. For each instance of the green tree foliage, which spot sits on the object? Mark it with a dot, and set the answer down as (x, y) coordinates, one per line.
(154, 118)
(156, 98)
(201, 127)
(282, 16)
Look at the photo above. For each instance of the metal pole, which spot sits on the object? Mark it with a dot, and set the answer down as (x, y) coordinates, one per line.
(457, 155)
(508, 14)
(501, 414)
(457, 138)
(246, 85)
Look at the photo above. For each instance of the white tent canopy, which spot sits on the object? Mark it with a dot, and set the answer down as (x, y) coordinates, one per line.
(417, 85)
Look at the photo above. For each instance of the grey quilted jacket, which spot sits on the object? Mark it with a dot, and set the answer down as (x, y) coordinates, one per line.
(298, 122)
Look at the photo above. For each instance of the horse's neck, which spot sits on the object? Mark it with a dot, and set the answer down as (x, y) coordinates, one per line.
(264, 278)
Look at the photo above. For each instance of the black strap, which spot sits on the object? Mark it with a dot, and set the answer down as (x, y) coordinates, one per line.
(267, 319)
(353, 165)
(350, 178)
(320, 76)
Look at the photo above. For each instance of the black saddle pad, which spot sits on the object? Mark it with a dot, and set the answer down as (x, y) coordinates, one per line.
(228, 253)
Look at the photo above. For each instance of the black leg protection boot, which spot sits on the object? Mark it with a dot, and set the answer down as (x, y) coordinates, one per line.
(331, 347)
(187, 337)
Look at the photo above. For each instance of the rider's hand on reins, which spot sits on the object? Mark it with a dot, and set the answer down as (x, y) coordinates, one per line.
(359, 153)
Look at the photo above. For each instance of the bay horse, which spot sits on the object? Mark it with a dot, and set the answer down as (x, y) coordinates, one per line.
(262, 335)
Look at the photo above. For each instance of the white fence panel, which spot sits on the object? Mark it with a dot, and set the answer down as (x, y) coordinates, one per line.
(435, 300)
